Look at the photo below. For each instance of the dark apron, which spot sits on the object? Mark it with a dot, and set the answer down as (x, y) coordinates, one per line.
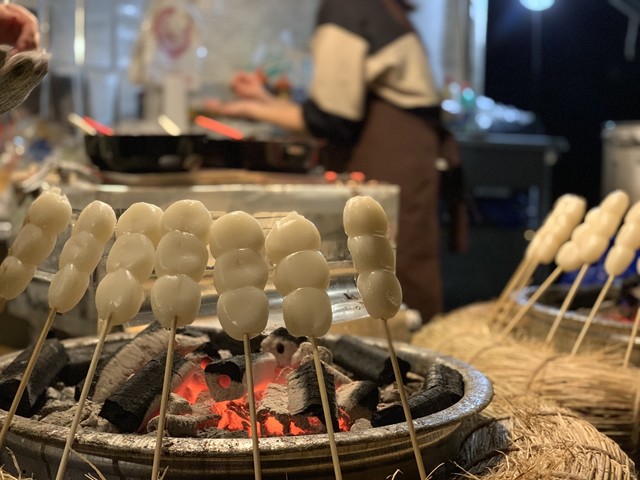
(400, 148)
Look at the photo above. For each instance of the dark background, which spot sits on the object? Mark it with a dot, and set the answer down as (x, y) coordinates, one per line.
(583, 79)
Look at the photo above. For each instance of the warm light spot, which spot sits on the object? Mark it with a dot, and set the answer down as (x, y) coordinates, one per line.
(273, 427)
(224, 381)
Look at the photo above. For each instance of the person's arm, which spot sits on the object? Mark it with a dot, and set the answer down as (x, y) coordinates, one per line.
(18, 27)
(280, 112)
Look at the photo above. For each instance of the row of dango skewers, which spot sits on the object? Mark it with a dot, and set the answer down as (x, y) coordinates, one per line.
(173, 243)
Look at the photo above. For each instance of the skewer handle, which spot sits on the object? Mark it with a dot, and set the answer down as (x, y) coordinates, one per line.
(592, 314)
(328, 420)
(566, 303)
(405, 402)
(632, 340)
(164, 400)
(257, 470)
(27, 373)
(83, 398)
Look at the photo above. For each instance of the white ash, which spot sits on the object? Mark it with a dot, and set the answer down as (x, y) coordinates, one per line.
(282, 349)
(224, 354)
(186, 343)
(305, 354)
(89, 418)
(274, 402)
(360, 425)
(219, 433)
(176, 425)
(178, 405)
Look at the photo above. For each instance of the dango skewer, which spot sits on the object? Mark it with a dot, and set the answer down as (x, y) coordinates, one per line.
(119, 297)
(366, 225)
(301, 275)
(79, 257)
(605, 222)
(240, 275)
(180, 262)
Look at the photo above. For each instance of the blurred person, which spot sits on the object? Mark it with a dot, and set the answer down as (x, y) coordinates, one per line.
(18, 27)
(373, 96)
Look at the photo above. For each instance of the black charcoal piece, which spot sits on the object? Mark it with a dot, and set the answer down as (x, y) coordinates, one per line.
(127, 407)
(304, 393)
(225, 378)
(80, 357)
(222, 341)
(365, 361)
(51, 360)
(358, 399)
(443, 388)
(282, 345)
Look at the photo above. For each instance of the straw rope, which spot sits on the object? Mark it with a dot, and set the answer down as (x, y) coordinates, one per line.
(592, 385)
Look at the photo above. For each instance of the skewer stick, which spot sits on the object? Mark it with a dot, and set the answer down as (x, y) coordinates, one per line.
(83, 398)
(164, 400)
(405, 402)
(506, 291)
(524, 280)
(566, 303)
(27, 373)
(257, 472)
(533, 299)
(328, 420)
(592, 314)
(632, 340)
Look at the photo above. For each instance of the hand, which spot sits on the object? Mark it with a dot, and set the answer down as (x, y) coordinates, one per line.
(248, 85)
(18, 27)
(243, 108)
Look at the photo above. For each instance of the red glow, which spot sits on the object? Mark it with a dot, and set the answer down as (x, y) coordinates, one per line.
(217, 127)
(330, 176)
(191, 388)
(224, 381)
(273, 428)
(100, 128)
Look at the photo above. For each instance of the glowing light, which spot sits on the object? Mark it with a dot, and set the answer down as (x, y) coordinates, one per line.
(537, 5)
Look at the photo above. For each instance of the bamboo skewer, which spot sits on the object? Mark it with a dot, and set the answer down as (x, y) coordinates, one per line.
(592, 314)
(257, 469)
(83, 398)
(632, 340)
(566, 303)
(328, 419)
(27, 373)
(405, 403)
(498, 305)
(164, 400)
(533, 299)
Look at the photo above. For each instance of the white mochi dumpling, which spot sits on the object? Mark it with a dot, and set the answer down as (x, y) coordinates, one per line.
(32, 245)
(307, 268)
(371, 252)
(362, 215)
(235, 230)
(629, 235)
(593, 247)
(619, 258)
(175, 297)
(181, 252)
(616, 203)
(97, 218)
(238, 268)
(188, 216)
(51, 211)
(307, 312)
(568, 257)
(144, 218)
(133, 252)
(381, 293)
(15, 277)
(243, 311)
(119, 297)
(67, 288)
(289, 235)
(83, 250)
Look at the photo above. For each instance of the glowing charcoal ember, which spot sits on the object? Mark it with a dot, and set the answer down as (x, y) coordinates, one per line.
(243, 311)
(67, 288)
(307, 311)
(291, 234)
(181, 253)
(363, 215)
(15, 276)
(119, 297)
(568, 257)
(141, 218)
(226, 378)
(304, 396)
(238, 268)
(175, 297)
(381, 293)
(306, 268)
(235, 230)
(32, 245)
(618, 260)
(133, 252)
(98, 218)
(82, 250)
(51, 211)
(188, 216)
